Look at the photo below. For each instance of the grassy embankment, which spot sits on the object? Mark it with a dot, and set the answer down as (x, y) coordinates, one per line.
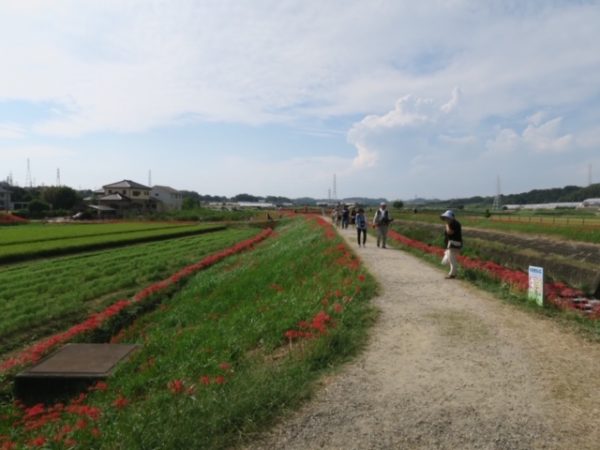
(239, 344)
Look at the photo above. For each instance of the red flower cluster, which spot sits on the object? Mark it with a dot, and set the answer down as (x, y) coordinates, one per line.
(95, 321)
(11, 219)
(319, 323)
(556, 293)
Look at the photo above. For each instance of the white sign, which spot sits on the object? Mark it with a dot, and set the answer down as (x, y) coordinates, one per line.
(536, 284)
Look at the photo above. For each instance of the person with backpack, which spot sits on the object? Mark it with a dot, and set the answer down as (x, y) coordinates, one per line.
(361, 226)
(382, 221)
(452, 240)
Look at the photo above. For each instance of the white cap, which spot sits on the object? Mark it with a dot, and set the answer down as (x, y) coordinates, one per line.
(448, 214)
(383, 204)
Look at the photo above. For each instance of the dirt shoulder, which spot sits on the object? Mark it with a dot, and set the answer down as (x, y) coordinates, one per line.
(449, 366)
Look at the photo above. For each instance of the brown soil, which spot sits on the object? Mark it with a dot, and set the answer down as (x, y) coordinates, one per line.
(449, 366)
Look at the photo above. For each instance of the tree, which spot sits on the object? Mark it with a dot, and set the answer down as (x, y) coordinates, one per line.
(245, 198)
(38, 206)
(60, 197)
(398, 204)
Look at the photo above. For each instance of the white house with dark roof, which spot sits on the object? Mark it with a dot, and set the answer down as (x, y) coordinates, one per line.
(126, 195)
(168, 199)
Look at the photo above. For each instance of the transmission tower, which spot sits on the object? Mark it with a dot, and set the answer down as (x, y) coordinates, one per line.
(28, 180)
(150, 178)
(497, 199)
(58, 183)
(334, 193)
(590, 174)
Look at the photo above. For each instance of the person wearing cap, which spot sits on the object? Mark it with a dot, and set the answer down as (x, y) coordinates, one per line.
(452, 240)
(381, 221)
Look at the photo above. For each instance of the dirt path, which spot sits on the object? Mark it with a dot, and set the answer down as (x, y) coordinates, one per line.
(449, 366)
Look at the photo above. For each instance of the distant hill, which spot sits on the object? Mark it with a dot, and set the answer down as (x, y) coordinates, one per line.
(564, 194)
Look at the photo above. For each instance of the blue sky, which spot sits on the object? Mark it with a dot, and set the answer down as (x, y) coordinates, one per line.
(398, 98)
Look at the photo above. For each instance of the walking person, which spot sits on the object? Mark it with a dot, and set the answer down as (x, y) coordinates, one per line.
(453, 241)
(381, 221)
(361, 226)
(345, 217)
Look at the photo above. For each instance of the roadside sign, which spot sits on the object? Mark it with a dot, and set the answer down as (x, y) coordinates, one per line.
(536, 284)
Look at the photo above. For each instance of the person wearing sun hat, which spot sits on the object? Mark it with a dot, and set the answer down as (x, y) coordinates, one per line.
(452, 240)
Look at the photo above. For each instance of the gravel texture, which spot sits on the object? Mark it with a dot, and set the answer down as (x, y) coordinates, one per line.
(449, 366)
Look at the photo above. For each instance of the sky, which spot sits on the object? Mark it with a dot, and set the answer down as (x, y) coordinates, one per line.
(400, 98)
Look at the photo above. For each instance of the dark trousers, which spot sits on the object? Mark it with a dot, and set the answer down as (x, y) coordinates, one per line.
(362, 231)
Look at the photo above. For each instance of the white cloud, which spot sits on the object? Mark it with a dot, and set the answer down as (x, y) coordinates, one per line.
(537, 137)
(11, 131)
(453, 102)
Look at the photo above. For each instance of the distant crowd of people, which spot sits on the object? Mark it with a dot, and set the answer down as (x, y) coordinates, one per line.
(343, 216)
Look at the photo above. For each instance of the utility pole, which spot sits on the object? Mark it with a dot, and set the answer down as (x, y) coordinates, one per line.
(150, 178)
(590, 174)
(58, 177)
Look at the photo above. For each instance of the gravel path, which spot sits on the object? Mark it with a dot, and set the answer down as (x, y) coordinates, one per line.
(448, 366)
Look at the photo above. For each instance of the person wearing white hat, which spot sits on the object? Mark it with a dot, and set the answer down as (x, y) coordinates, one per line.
(453, 240)
(381, 221)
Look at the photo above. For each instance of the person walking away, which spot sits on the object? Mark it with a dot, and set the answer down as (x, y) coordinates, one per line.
(345, 217)
(381, 221)
(452, 240)
(361, 226)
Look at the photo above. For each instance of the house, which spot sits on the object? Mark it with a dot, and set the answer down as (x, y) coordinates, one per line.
(591, 203)
(5, 203)
(168, 199)
(126, 195)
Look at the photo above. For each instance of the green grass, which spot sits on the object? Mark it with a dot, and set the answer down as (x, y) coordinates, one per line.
(37, 241)
(43, 296)
(235, 312)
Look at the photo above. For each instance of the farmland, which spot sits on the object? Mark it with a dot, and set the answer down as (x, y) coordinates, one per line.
(30, 241)
(573, 226)
(43, 296)
(224, 354)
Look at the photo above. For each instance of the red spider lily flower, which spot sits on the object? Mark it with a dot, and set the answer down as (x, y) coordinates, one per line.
(325, 302)
(205, 380)
(176, 386)
(338, 308)
(39, 441)
(100, 386)
(96, 432)
(219, 379)
(361, 278)
(303, 324)
(338, 293)
(120, 402)
(34, 411)
(8, 445)
(81, 424)
(225, 366)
